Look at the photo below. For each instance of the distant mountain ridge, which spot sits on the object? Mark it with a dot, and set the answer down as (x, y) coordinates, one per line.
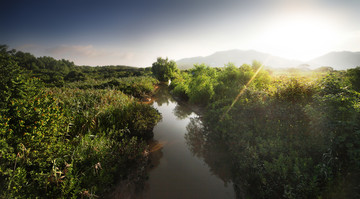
(337, 60)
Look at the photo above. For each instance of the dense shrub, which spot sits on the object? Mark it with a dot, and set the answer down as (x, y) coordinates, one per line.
(32, 135)
(138, 87)
(203, 85)
(287, 136)
(138, 119)
(73, 76)
(67, 142)
(354, 78)
(163, 69)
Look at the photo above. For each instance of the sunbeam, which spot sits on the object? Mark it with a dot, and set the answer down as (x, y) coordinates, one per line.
(244, 88)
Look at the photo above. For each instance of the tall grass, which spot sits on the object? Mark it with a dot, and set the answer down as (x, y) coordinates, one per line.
(97, 137)
(138, 87)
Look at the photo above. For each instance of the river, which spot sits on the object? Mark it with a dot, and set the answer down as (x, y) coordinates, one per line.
(184, 164)
(179, 172)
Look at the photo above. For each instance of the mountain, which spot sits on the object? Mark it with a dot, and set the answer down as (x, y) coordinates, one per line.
(338, 60)
(238, 57)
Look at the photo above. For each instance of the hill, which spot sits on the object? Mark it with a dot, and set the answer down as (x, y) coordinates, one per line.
(338, 60)
(238, 57)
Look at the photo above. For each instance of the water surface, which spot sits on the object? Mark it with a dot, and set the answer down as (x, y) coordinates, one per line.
(184, 163)
(178, 170)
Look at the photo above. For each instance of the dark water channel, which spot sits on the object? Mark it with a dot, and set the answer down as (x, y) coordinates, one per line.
(179, 170)
(184, 162)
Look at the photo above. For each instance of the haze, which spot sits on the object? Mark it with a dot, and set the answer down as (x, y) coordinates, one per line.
(135, 33)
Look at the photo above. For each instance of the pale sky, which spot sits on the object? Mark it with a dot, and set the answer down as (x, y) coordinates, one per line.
(136, 32)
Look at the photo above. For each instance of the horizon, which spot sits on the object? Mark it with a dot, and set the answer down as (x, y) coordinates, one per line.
(270, 55)
(136, 33)
(273, 55)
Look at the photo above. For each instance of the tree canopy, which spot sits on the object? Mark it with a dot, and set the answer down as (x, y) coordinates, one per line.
(163, 69)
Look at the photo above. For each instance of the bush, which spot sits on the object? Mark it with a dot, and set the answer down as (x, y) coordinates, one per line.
(73, 76)
(163, 69)
(32, 137)
(291, 138)
(67, 143)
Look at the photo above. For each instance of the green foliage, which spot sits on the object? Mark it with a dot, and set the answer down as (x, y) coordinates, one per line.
(55, 73)
(73, 76)
(201, 85)
(266, 145)
(138, 87)
(27, 60)
(179, 85)
(52, 64)
(108, 72)
(11, 82)
(139, 120)
(50, 78)
(294, 91)
(163, 69)
(96, 160)
(32, 134)
(339, 107)
(354, 78)
(231, 80)
(262, 79)
(286, 136)
(84, 106)
(324, 69)
(68, 142)
(110, 128)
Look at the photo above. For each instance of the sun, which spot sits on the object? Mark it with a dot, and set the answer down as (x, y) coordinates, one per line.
(298, 37)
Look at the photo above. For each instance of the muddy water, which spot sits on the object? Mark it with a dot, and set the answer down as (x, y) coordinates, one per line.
(178, 171)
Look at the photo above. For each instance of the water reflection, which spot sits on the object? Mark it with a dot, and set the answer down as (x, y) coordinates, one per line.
(162, 96)
(206, 146)
(183, 161)
(182, 111)
(155, 153)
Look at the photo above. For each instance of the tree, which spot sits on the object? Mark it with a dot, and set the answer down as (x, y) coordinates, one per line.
(73, 76)
(163, 69)
(354, 78)
(202, 83)
(11, 82)
(32, 130)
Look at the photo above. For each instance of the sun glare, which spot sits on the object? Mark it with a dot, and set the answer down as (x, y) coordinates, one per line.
(300, 37)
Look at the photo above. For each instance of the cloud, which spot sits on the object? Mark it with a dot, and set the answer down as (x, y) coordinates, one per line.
(88, 51)
(76, 50)
(124, 55)
(90, 55)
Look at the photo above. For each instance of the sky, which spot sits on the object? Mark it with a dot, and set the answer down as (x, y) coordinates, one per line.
(136, 32)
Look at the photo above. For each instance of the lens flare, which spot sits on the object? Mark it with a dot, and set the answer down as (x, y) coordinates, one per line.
(244, 88)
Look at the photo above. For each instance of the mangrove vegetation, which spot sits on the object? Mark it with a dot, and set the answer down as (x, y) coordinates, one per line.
(70, 131)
